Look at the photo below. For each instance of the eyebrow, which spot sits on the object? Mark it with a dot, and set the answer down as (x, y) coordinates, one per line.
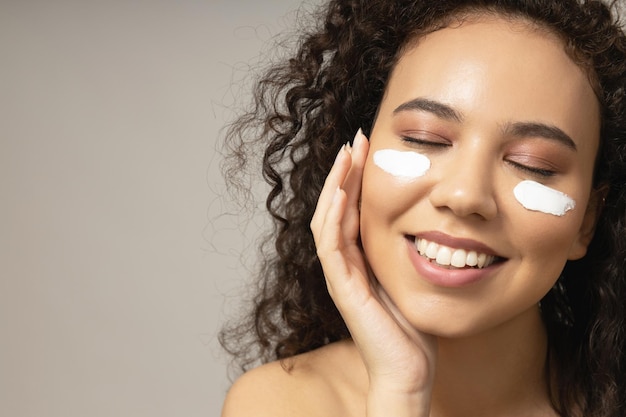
(440, 110)
(541, 130)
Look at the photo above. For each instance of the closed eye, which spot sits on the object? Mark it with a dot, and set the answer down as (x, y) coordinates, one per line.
(539, 172)
(425, 142)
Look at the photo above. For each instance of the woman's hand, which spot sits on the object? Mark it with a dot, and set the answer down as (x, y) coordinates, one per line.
(399, 359)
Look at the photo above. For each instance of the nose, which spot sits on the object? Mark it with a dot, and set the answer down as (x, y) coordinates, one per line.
(466, 188)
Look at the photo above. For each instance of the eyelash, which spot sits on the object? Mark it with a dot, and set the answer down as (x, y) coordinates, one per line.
(544, 173)
(424, 142)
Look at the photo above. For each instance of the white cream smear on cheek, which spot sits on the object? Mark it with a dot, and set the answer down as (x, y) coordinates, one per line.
(537, 197)
(404, 165)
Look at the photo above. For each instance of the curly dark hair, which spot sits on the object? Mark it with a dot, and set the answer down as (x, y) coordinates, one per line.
(308, 106)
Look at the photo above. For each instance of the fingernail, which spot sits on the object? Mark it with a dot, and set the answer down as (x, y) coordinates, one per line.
(358, 138)
(340, 151)
(348, 147)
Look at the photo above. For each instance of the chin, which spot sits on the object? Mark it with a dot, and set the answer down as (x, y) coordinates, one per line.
(462, 320)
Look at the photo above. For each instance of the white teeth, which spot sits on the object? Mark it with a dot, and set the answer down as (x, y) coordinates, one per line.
(482, 259)
(458, 258)
(422, 246)
(431, 250)
(472, 259)
(444, 255)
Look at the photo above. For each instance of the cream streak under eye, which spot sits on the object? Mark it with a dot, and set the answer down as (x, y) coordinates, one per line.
(405, 165)
(537, 197)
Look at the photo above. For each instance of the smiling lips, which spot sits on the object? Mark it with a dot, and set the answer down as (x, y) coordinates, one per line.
(445, 256)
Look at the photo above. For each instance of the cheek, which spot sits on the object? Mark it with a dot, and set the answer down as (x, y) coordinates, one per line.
(543, 240)
(385, 196)
(376, 189)
(392, 181)
(545, 222)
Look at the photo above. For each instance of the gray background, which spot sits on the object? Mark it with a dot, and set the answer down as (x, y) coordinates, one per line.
(116, 265)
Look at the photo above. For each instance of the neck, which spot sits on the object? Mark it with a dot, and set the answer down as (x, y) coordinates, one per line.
(499, 372)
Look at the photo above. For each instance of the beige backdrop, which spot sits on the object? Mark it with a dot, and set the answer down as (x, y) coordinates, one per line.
(114, 273)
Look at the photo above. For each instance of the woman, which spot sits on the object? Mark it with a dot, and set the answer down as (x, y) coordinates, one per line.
(472, 243)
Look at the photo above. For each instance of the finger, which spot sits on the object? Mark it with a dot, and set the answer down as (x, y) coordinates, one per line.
(352, 184)
(342, 262)
(345, 175)
(334, 180)
(330, 242)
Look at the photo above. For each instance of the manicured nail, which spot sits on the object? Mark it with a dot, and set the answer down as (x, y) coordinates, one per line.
(343, 147)
(358, 138)
(348, 147)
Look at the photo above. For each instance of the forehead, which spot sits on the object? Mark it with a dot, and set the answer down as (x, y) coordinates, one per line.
(498, 70)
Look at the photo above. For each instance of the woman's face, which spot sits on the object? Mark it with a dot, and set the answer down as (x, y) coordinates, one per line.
(482, 152)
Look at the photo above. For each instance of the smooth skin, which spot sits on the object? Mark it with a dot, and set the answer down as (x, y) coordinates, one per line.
(420, 349)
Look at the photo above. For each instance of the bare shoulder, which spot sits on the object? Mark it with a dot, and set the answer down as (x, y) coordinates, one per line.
(323, 382)
(263, 391)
